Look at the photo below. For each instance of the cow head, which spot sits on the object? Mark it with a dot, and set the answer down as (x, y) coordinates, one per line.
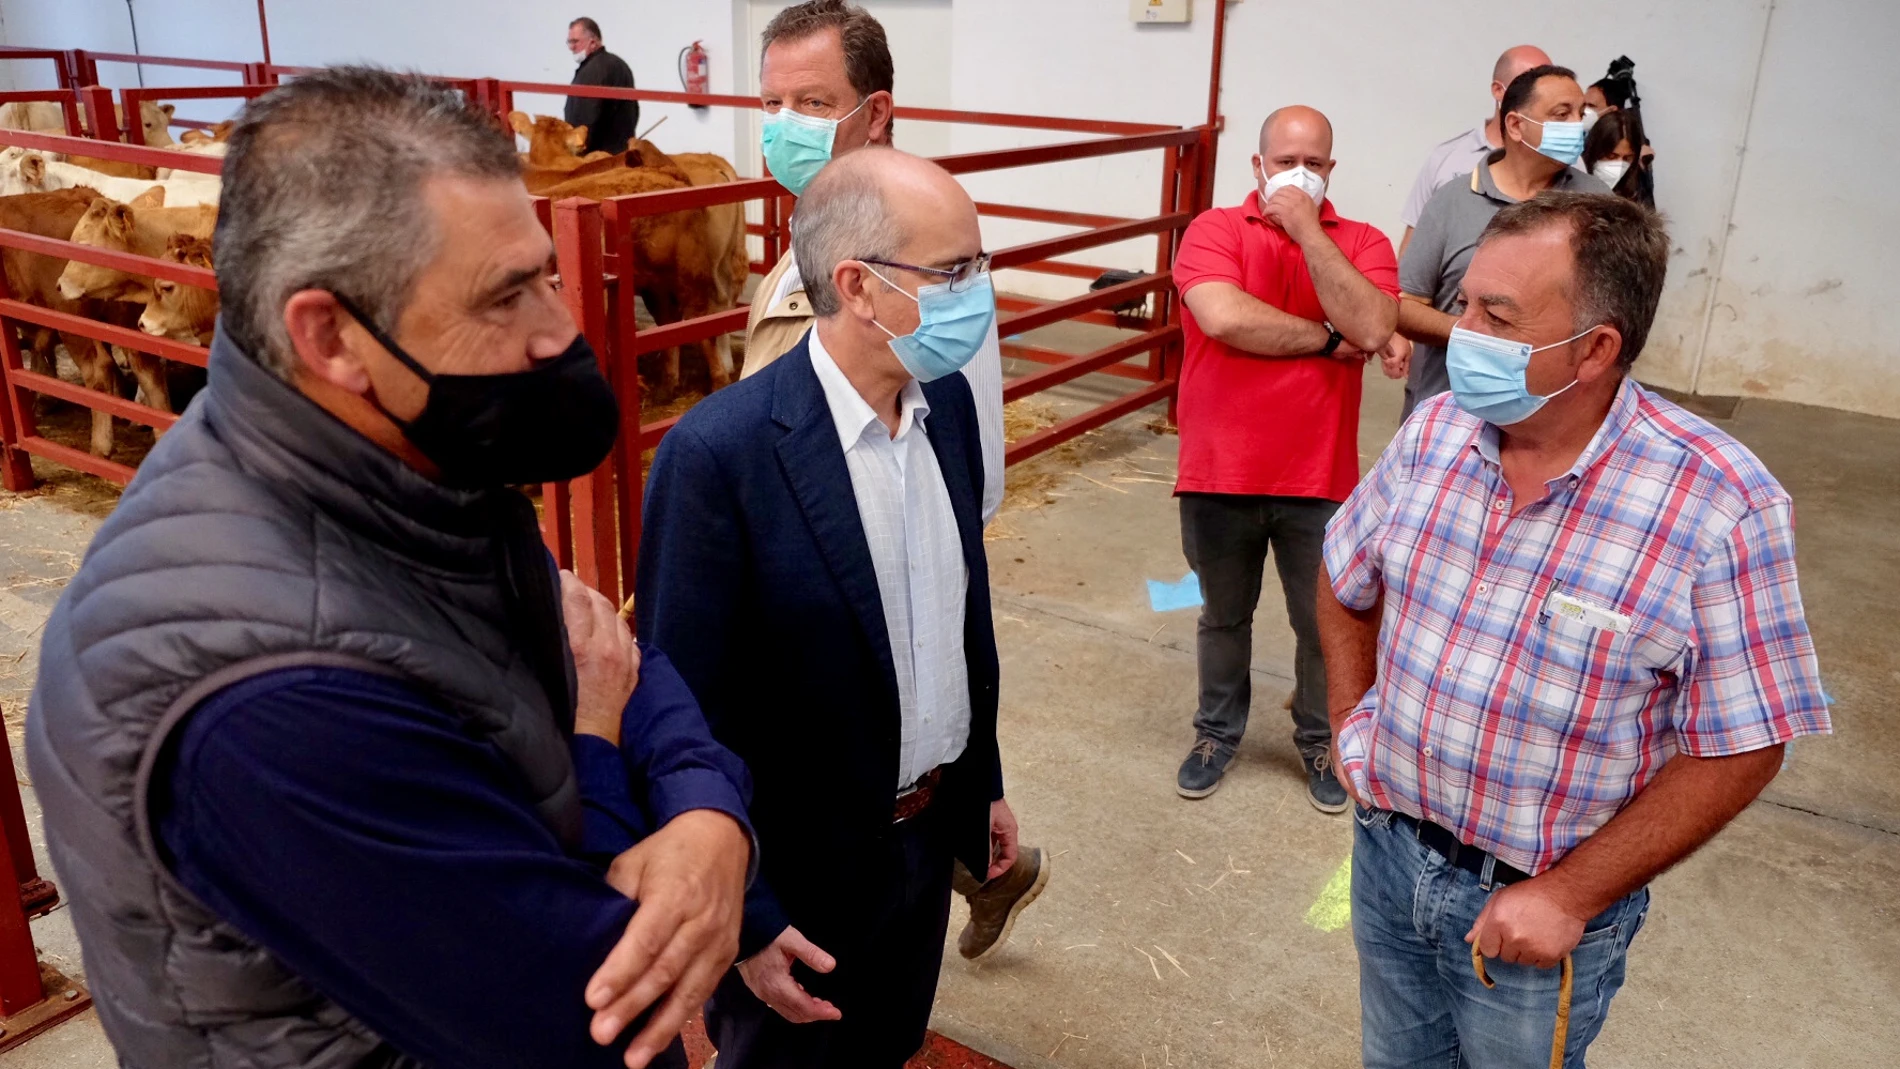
(550, 140)
(156, 119)
(184, 313)
(107, 224)
(33, 171)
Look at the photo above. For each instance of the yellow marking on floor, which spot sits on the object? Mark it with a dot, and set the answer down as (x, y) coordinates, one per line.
(1333, 909)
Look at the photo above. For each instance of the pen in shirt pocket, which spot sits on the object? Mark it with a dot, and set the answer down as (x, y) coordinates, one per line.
(1543, 610)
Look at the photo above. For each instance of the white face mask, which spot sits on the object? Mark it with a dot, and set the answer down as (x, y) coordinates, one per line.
(1590, 117)
(1306, 181)
(1611, 171)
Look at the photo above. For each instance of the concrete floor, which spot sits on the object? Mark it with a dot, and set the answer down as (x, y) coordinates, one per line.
(1185, 933)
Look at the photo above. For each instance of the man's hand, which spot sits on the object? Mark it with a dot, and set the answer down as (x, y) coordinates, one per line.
(1339, 770)
(1004, 839)
(606, 660)
(769, 974)
(1525, 924)
(1293, 211)
(1349, 353)
(689, 878)
(1395, 360)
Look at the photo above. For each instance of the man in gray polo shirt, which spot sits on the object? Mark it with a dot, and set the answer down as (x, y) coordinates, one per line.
(1541, 117)
(1456, 156)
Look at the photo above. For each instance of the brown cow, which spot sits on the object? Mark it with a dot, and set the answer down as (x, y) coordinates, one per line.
(34, 278)
(552, 143)
(675, 272)
(143, 231)
(551, 164)
(183, 313)
(727, 220)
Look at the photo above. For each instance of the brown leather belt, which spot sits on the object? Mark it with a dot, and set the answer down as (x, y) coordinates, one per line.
(916, 798)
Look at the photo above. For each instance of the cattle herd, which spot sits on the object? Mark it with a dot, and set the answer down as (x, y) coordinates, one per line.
(687, 263)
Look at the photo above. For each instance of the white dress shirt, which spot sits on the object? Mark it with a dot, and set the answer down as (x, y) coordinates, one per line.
(918, 556)
(985, 372)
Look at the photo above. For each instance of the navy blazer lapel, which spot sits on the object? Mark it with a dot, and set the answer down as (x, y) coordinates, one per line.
(947, 441)
(814, 467)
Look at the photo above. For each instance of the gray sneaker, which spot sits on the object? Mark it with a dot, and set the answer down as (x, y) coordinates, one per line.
(1323, 788)
(1205, 765)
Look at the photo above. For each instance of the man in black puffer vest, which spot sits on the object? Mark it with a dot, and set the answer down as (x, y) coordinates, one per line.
(337, 770)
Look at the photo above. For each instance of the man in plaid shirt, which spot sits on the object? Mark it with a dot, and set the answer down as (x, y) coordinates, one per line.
(1565, 644)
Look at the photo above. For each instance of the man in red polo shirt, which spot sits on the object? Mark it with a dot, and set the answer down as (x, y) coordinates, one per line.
(1285, 299)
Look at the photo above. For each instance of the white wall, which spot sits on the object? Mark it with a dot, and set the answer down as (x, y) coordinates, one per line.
(1797, 312)
(1802, 310)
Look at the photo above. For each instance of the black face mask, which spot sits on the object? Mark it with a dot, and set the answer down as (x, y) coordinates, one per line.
(553, 422)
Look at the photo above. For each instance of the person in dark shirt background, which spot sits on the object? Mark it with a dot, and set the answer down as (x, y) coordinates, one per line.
(610, 123)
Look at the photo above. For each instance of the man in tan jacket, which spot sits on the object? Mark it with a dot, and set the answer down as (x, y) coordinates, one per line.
(828, 62)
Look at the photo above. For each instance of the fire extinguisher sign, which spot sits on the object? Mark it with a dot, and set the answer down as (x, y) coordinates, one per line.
(695, 69)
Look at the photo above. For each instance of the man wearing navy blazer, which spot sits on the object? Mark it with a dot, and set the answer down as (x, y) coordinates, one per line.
(812, 560)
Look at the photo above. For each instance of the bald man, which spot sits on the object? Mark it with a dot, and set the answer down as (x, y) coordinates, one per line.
(833, 503)
(1456, 156)
(1285, 299)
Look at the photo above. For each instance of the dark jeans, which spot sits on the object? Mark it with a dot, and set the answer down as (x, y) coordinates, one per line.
(1226, 538)
(885, 982)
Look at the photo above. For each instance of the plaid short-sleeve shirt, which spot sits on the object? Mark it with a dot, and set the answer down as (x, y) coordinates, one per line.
(1537, 666)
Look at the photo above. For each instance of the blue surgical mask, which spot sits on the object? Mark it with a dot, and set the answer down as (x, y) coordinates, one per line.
(1487, 375)
(951, 327)
(1562, 141)
(798, 146)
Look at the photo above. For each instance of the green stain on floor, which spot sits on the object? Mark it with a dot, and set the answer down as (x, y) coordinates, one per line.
(1333, 909)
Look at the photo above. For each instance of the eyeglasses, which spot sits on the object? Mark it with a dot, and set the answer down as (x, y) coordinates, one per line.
(962, 275)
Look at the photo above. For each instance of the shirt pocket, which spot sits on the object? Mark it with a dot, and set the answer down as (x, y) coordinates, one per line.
(1556, 673)
(1585, 682)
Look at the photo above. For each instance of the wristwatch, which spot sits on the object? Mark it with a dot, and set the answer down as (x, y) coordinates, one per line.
(1333, 338)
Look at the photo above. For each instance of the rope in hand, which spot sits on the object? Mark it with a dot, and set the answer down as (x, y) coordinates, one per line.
(1558, 1042)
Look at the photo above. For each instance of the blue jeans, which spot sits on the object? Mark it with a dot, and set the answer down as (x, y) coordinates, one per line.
(1421, 1006)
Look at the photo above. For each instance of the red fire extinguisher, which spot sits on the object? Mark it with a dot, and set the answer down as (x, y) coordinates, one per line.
(695, 69)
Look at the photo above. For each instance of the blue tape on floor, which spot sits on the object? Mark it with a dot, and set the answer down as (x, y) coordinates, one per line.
(1167, 597)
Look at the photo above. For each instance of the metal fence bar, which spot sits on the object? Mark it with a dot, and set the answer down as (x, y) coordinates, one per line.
(61, 60)
(67, 100)
(1041, 355)
(624, 373)
(168, 61)
(979, 118)
(109, 148)
(1076, 367)
(1051, 215)
(577, 244)
(183, 274)
(1106, 297)
(111, 334)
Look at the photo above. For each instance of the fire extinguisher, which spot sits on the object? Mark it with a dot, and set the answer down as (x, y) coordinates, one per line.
(695, 69)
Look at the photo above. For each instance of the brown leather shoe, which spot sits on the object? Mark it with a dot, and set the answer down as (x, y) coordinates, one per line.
(995, 905)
